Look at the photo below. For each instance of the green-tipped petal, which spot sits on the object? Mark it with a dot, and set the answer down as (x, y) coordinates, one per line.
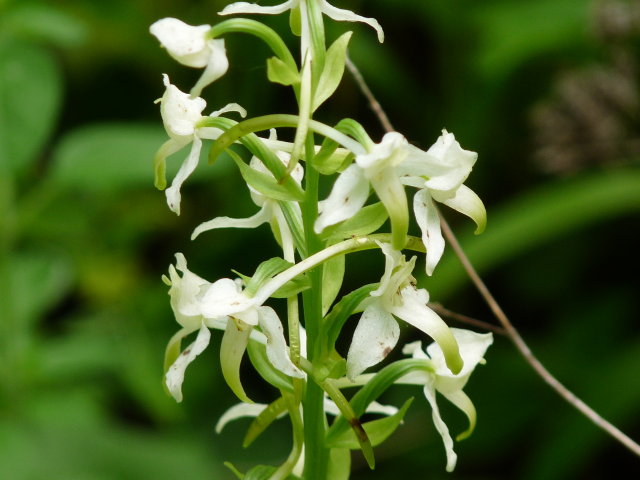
(464, 403)
(217, 66)
(175, 375)
(391, 193)
(414, 311)
(468, 203)
(168, 148)
(232, 348)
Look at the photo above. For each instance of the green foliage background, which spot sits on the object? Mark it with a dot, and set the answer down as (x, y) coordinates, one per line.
(84, 237)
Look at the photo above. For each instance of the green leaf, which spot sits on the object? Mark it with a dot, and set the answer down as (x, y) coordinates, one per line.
(293, 287)
(374, 388)
(266, 184)
(366, 221)
(333, 70)
(262, 421)
(332, 277)
(258, 356)
(30, 98)
(264, 272)
(377, 430)
(328, 160)
(280, 72)
(339, 464)
(107, 157)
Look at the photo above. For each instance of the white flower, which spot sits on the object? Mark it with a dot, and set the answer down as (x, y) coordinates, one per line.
(438, 174)
(191, 46)
(270, 210)
(181, 115)
(377, 331)
(472, 347)
(330, 11)
(200, 305)
(351, 189)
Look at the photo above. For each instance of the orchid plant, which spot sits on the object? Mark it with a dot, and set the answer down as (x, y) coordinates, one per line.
(297, 355)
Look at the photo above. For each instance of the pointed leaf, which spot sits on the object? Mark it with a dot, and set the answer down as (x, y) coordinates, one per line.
(366, 221)
(377, 430)
(333, 70)
(258, 356)
(282, 73)
(262, 421)
(332, 276)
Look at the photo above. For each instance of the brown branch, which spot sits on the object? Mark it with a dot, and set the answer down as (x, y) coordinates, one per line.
(458, 317)
(508, 327)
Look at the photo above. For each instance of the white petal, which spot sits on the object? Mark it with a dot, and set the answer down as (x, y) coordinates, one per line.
(277, 350)
(472, 346)
(341, 15)
(374, 338)
(188, 166)
(375, 407)
(468, 203)
(347, 197)
(391, 193)
(263, 216)
(441, 427)
(388, 153)
(452, 164)
(179, 111)
(217, 66)
(224, 298)
(414, 311)
(185, 43)
(246, 7)
(185, 291)
(240, 410)
(230, 107)
(175, 375)
(232, 348)
(429, 222)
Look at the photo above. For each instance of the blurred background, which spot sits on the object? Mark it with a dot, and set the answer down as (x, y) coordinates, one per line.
(548, 93)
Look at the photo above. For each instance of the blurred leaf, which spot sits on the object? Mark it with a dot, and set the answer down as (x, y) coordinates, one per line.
(45, 22)
(30, 95)
(39, 281)
(532, 28)
(107, 157)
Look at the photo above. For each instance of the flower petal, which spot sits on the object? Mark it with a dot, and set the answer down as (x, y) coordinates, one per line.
(429, 222)
(217, 66)
(179, 111)
(175, 375)
(185, 43)
(464, 403)
(414, 311)
(232, 348)
(341, 15)
(391, 193)
(468, 203)
(441, 427)
(240, 410)
(263, 216)
(347, 197)
(246, 7)
(277, 350)
(374, 338)
(188, 166)
(225, 298)
(392, 258)
(450, 162)
(168, 148)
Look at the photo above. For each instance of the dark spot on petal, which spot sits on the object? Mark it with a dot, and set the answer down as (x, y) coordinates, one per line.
(386, 351)
(186, 352)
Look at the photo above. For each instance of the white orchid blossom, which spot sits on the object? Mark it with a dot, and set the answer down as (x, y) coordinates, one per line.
(378, 331)
(270, 210)
(191, 46)
(337, 14)
(472, 347)
(201, 305)
(181, 115)
(438, 173)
